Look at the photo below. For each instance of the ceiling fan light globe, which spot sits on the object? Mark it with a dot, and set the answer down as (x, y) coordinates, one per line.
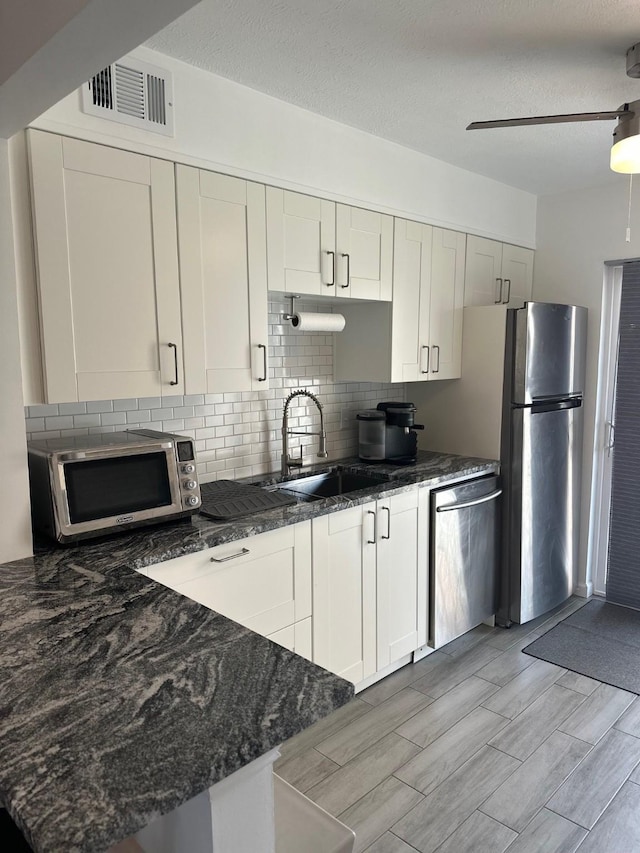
(625, 155)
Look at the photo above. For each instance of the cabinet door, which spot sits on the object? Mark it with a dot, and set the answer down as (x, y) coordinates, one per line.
(401, 575)
(517, 274)
(364, 253)
(344, 592)
(447, 296)
(263, 582)
(301, 236)
(410, 328)
(106, 252)
(483, 275)
(223, 279)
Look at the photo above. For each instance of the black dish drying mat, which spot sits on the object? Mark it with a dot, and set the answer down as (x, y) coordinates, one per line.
(225, 500)
(600, 640)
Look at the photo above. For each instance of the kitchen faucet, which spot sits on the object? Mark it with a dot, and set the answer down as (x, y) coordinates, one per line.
(287, 461)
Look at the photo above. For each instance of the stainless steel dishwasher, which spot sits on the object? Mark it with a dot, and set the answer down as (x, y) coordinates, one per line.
(465, 554)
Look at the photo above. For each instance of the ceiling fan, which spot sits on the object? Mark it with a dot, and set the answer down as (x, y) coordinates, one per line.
(625, 152)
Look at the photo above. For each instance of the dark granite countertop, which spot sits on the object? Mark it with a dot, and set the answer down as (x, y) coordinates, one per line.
(121, 699)
(146, 546)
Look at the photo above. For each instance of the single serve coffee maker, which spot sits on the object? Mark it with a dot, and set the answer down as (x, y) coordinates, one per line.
(387, 434)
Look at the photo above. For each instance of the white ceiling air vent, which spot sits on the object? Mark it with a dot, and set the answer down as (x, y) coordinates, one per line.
(132, 92)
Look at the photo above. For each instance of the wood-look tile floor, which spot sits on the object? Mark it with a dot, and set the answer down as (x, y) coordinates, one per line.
(479, 748)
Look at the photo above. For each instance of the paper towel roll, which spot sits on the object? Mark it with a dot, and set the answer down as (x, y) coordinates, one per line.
(308, 322)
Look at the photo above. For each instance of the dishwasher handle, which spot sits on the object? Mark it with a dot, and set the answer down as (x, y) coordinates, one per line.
(490, 497)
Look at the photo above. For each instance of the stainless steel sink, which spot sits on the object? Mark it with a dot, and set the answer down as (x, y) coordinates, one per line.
(331, 484)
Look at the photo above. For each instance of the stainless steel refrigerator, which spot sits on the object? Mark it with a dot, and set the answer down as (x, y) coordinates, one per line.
(541, 456)
(520, 400)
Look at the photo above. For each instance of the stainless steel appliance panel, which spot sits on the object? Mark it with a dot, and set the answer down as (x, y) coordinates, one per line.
(465, 523)
(548, 358)
(543, 507)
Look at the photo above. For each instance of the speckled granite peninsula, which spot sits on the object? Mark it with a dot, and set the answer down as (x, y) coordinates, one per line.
(121, 699)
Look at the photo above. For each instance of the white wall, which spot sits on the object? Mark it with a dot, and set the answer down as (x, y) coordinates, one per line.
(577, 232)
(227, 127)
(15, 529)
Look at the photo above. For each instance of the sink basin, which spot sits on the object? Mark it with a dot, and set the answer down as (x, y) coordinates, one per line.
(331, 484)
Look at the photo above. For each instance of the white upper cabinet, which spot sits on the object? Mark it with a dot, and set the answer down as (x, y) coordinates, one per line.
(497, 273)
(107, 264)
(364, 253)
(419, 337)
(318, 248)
(301, 237)
(447, 298)
(223, 278)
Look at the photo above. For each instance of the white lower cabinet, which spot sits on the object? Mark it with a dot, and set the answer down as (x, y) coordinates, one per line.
(263, 582)
(344, 592)
(370, 596)
(348, 590)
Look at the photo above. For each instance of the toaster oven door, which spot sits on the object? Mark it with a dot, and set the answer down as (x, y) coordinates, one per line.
(98, 491)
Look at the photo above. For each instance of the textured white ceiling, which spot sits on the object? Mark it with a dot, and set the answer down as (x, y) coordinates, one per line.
(418, 71)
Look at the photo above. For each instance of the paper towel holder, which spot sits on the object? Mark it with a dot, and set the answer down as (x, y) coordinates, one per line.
(291, 315)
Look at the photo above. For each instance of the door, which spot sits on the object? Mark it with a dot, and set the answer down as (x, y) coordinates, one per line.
(447, 299)
(223, 277)
(301, 237)
(364, 253)
(344, 592)
(402, 575)
(517, 274)
(549, 344)
(410, 331)
(483, 275)
(543, 509)
(106, 252)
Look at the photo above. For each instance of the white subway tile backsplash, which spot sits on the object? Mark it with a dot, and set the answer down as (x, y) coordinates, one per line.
(59, 422)
(237, 434)
(100, 406)
(109, 418)
(86, 420)
(124, 405)
(72, 408)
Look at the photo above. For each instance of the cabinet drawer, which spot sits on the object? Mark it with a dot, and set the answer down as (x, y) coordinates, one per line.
(263, 582)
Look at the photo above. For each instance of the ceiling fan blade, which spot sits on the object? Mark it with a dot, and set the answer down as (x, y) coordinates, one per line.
(515, 122)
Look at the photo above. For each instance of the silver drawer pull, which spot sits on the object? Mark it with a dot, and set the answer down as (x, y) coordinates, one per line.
(230, 557)
(477, 501)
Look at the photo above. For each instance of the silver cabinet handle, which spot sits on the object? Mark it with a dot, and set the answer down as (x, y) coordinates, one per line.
(465, 504)
(174, 347)
(348, 270)
(499, 299)
(436, 369)
(333, 269)
(264, 363)
(388, 511)
(375, 528)
(230, 557)
(428, 349)
(507, 282)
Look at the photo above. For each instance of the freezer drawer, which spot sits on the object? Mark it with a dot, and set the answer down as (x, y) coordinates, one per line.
(464, 567)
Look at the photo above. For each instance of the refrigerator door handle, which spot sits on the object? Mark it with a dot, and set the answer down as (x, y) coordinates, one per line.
(499, 299)
(484, 499)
